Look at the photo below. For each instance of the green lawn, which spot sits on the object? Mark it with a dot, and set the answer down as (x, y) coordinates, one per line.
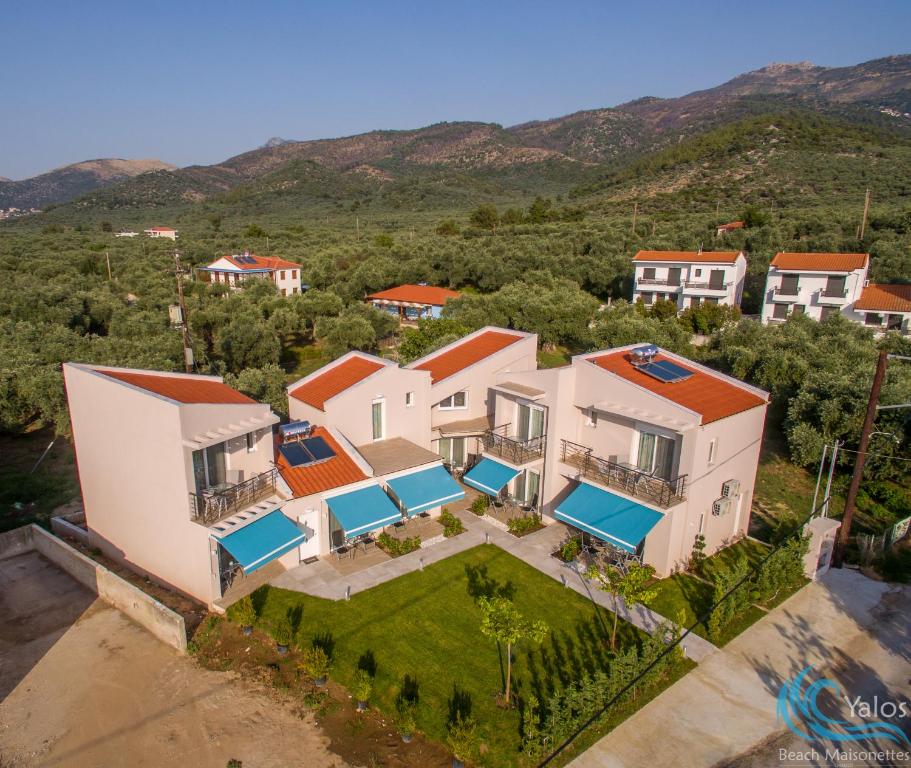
(300, 358)
(426, 625)
(554, 358)
(683, 596)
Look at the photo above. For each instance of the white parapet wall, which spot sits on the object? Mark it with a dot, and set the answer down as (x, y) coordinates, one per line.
(161, 621)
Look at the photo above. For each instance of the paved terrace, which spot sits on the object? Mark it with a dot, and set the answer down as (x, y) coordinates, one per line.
(320, 579)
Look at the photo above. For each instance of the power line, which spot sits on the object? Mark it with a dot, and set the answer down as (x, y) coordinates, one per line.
(882, 455)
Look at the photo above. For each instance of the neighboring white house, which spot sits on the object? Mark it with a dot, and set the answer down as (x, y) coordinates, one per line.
(882, 307)
(813, 284)
(689, 278)
(167, 232)
(126, 233)
(234, 270)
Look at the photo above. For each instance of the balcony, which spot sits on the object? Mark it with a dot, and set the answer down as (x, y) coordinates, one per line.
(211, 506)
(832, 297)
(629, 480)
(512, 449)
(650, 282)
(702, 286)
(786, 295)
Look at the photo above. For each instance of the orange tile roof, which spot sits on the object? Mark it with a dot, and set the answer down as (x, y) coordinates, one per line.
(161, 229)
(182, 389)
(708, 395)
(696, 257)
(885, 298)
(337, 379)
(417, 294)
(821, 262)
(262, 262)
(731, 225)
(333, 473)
(466, 353)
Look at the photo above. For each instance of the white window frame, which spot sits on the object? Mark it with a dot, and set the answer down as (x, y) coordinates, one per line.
(451, 441)
(531, 407)
(658, 432)
(380, 401)
(713, 451)
(409, 399)
(251, 442)
(451, 400)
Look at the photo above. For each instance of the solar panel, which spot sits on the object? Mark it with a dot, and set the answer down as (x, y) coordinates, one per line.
(295, 454)
(666, 371)
(318, 448)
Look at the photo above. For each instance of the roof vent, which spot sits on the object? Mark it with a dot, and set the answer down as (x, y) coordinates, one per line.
(644, 355)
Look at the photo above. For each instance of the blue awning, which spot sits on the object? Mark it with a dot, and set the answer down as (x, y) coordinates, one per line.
(614, 519)
(262, 541)
(426, 489)
(363, 510)
(490, 476)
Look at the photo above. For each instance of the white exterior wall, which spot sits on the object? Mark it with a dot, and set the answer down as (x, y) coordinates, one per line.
(287, 280)
(136, 475)
(810, 286)
(695, 273)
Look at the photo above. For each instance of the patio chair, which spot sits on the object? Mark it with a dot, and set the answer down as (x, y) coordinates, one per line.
(530, 506)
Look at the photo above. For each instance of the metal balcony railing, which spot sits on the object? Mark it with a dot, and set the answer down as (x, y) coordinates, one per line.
(706, 286)
(210, 507)
(657, 281)
(512, 449)
(630, 480)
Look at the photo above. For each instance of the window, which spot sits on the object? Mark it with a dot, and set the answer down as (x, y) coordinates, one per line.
(526, 487)
(251, 441)
(409, 399)
(789, 285)
(698, 273)
(648, 273)
(702, 522)
(825, 312)
(656, 455)
(646, 298)
(694, 302)
(295, 290)
(378, 414)
(455, 401)
(799, 309)
(294, 274)
(871, 318)
(452, 450)
(780, 311)
(281, 275)
(530, 422)
(284, 292)
(713, 450)
(209, 467)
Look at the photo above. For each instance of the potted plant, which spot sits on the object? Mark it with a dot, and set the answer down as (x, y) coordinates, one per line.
(362, 688)
(316, 664)
(461, 740)
(281, 633)
(245, 614)
(404, 719)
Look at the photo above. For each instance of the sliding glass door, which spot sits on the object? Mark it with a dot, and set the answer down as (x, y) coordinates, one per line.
(656, 455)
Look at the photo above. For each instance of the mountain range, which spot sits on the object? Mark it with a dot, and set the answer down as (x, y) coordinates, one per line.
(555, 154)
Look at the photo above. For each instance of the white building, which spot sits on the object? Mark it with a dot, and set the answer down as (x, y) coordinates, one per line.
(235, 270)
(167, 232)
(689, 278)
(883, 307)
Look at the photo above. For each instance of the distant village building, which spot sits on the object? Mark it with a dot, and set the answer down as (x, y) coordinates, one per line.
(412, 302)
(126, 233)
(235, 270)
(731, 226)
(167, 232)
(689, 278)
(822, 284)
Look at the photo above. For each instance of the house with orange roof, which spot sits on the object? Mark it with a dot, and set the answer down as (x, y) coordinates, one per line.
(689, 278)
(167, 232)
(882, 307)
(413, 301)
(235, 270)
(732, 226)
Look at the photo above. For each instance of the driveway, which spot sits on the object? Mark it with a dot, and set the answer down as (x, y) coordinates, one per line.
(851, 629)
(81, 685)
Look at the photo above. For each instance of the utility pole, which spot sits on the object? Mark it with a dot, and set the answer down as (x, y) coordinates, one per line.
(107, 258)
(635, 214)
(184, 320)
(825, 508)
(357, 226)
(854, 487)
(863, 223)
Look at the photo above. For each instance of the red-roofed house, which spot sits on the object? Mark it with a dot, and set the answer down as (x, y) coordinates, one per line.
(412, 302)
(235, 270)
(883, 307)
(170, 464)
(168, 232)
(689, 278)
(732, 226)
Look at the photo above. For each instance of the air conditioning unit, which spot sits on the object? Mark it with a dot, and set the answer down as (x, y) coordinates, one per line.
(730, 488)
(721, 507)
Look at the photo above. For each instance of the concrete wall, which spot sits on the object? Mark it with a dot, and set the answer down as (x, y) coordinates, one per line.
(161, 621)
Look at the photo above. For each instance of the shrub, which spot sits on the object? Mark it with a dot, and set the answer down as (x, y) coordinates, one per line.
(362, 686)
(570, 550)
(895, 565)
(405, 721)
(243, 612)
(697, 557)
(452, 526)
(315, 662)
(479, 505)
(397, 547)
(462, 737)
(281, 631)
(519, 526)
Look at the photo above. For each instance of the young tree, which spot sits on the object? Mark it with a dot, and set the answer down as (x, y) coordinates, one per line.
(485, 217)
(631, 587)
(503, 622)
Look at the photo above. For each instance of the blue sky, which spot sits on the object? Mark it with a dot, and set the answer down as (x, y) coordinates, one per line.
(197, 82)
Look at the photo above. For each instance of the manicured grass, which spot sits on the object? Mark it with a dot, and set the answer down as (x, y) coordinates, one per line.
(426, 625)
(300, 358)
(555, 358)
